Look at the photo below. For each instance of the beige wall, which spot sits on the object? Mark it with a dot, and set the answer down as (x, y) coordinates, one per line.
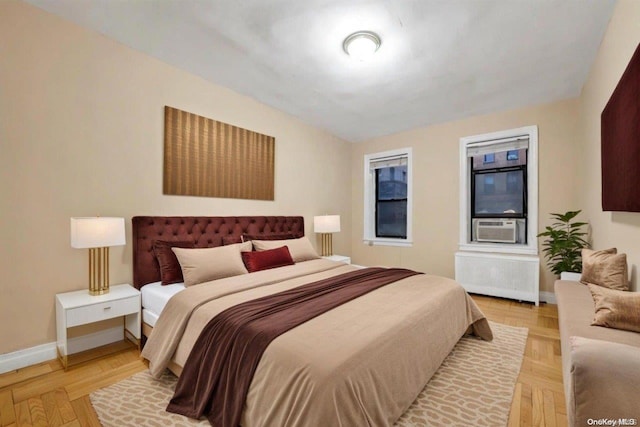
(569, 166)
(436, 182)
(81, 130)
(619, 229)
(81, 133)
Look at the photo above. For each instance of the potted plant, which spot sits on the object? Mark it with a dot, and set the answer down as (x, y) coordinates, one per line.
(564, 242)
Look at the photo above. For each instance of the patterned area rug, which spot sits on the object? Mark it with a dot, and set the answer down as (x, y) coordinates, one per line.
(473, 387)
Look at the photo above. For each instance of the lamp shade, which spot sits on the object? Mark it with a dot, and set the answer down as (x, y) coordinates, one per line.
(97, 232)
(326, 224)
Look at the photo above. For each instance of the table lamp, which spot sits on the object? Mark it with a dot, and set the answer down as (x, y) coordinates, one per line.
(97, 234)
(325, 225)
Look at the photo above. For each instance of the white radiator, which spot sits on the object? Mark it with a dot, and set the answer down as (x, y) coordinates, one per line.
(508, 276)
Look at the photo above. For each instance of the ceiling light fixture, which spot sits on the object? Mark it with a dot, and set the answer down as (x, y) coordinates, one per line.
(361, 45)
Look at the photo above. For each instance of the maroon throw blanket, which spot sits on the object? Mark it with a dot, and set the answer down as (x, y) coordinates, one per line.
(217, 375)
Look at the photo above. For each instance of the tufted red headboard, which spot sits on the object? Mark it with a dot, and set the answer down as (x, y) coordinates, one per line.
(205, 231)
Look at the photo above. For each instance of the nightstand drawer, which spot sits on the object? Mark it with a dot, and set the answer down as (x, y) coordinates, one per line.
(102, 311)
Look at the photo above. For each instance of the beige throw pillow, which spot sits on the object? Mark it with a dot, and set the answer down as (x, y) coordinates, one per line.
(616, 309)
(589, 252)
(203, 265)
(605, 268)
(300, 249)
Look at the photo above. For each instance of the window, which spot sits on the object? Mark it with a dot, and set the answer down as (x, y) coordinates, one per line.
(512, 155)
(499, 190)
(387, 210)
(391, 202)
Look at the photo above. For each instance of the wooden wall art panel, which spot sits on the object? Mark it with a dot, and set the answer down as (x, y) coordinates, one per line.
(204, 157)
(620, 144)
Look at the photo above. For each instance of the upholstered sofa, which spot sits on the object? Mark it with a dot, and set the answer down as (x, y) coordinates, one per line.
(601, 366)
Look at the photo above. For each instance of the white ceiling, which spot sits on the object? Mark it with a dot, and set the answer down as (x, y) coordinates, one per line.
(440, 59)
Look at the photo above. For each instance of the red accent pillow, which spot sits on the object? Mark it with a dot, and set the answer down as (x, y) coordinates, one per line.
(170, 270)
(264, 260)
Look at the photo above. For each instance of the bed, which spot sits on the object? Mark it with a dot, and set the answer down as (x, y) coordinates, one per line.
(205, 231)
(361, 363)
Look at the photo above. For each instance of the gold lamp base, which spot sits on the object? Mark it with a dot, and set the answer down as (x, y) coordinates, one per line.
(98, 271)
(327, 244)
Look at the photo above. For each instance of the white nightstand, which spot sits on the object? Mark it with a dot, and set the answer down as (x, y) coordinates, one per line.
(339, 258)
(79, 308)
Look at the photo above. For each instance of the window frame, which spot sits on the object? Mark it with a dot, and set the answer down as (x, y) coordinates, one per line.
(370, 191)
(531, 245)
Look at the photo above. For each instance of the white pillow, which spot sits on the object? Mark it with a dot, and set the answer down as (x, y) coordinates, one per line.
(300, 249)
(201, 265)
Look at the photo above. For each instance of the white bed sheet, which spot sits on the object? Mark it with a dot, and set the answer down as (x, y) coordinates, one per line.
(149, 317)
(155, 297)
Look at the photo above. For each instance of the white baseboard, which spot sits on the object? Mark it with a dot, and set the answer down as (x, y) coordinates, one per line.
(27, 357)
(42, 353)
(548, 297)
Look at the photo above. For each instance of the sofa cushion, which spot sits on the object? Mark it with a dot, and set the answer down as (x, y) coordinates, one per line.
(605, 268)
(616, 309)
(604, 380)
(576, 310)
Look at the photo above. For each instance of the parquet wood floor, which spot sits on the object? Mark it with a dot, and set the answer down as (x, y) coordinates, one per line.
(46, 395)
(539, 395)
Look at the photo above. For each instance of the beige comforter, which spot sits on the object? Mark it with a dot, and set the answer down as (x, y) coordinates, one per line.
(362, 363)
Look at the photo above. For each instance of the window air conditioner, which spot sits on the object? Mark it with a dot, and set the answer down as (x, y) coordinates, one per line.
(496, 231)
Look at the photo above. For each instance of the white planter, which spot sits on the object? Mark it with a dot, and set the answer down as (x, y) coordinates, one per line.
(567, 275)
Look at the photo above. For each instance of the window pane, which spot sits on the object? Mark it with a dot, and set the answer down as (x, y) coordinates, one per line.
(392, 183)
(512, 155)
(489, 184)
(499, 193)
(391, 202)
(391, 219)
(514, 182)
(489, 158)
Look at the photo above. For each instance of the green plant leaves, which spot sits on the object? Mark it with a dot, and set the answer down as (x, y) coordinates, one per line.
(564, 242)
(565, 217)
